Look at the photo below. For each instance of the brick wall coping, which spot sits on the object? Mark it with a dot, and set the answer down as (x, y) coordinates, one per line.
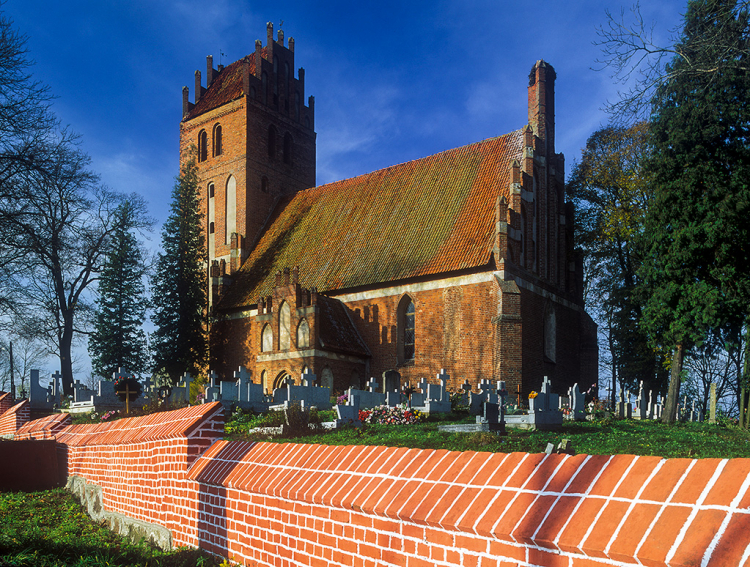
(620, 508)
(45, 427)
(152, 427)
(17, 408)
(4, 399)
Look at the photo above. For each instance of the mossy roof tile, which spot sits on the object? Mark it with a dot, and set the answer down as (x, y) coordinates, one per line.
(424, 217)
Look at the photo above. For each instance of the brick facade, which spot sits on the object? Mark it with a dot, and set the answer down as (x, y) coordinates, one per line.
(496, 288)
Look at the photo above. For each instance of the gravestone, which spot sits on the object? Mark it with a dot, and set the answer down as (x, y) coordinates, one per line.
(213, 391)
(577, 403)
(367, 399)
(545, 408)
(641, 406)
(312, 395)
(438, 399)
(249, 394)
(348, 414)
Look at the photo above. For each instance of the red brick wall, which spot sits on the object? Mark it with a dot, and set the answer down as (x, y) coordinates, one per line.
(45, 428)
(14, 418)
(6, 402)
(273, 504)
(296, 504)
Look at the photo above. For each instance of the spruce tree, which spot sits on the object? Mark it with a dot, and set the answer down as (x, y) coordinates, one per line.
(696, 277)
(179, 343)
(118, 341)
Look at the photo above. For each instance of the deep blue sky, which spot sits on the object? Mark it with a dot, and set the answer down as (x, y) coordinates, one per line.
(392, 80)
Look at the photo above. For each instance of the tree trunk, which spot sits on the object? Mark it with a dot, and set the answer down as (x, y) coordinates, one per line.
(66, 363)
(670, 409)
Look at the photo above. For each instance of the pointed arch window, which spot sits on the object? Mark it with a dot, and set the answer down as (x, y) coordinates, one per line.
(266, 342)
(217, 145)
(303, 334)
(285, 323)
(202, 146)
(407, 328)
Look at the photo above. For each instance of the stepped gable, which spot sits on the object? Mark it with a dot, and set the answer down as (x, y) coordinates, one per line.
(226, 86)
(424, 217)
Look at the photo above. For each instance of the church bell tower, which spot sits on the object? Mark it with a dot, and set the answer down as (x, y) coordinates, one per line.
(253, 138)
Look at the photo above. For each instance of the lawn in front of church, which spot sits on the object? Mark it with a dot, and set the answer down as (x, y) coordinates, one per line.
(599, 437)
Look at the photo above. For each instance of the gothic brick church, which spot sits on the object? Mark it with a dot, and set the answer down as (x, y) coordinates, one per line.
(462, 260)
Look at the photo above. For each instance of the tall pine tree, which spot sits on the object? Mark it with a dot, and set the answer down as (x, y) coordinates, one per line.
(697, 272)
(179, 286)
(118, 340)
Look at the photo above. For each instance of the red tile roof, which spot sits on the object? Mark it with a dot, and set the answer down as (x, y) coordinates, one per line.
(336, 330)
(424, 217)
(226, 86)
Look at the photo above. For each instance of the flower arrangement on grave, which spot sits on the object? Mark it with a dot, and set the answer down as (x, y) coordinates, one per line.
(533, 395)
(109, 415)
(342, 400)
(127, 386)
(385, 415)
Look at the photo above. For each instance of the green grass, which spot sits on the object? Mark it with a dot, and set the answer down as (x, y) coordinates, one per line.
(603, 437)
(51, 529)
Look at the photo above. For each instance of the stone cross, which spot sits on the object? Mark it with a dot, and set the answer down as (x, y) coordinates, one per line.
(423, 385)
(213, 378)
(466, 387)
(443, 378)
(308, 379)
(187, 379)
(242, 378)
(56, 377)
(121, 373)
(372, 385)
(485, 387)
(148, 384)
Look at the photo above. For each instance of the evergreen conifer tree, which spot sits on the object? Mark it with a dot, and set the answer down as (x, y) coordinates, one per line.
(118, 341)
(696, 277)
(179, 343)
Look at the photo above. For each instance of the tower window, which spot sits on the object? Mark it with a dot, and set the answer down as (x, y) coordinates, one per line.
(271, 142)
(217, 140)
(288, 148)
(210, 190)
(296, 105)
(202, 146)
(264, 184)
(264, 87)
(210, 228)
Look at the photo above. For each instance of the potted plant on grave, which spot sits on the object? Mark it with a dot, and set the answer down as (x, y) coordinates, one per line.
(127, 387)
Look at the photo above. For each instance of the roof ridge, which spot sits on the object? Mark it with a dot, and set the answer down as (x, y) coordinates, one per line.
(403, 163)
